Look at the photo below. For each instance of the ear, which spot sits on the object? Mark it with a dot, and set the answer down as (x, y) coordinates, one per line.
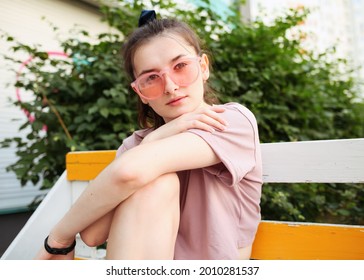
(205, 70)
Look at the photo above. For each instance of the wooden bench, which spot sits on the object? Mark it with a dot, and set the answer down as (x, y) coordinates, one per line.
(331, 161)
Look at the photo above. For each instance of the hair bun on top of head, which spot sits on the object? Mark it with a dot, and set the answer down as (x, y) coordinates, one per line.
(146, 16)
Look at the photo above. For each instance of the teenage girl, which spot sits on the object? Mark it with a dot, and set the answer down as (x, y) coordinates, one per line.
(185, 186)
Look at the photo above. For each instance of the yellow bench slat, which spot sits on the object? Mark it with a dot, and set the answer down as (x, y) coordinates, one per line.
(85, 166)
(307, 241)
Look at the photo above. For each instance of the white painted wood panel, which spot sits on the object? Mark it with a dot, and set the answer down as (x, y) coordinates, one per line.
(50, 211)
(331, 161)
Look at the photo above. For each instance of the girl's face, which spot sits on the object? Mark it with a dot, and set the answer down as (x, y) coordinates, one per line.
(161, 53)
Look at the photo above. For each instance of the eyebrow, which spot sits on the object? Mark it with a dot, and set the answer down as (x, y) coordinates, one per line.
(155, 70)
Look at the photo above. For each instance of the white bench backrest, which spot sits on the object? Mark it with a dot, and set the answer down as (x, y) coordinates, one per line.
(331, 161)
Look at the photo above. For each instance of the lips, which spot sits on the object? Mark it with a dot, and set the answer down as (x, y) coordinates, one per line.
(175, 100)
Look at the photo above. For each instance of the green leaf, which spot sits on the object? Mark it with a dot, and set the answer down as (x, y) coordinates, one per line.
(104, 112)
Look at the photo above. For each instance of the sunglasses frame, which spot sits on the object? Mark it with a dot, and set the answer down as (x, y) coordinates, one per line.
(161, 73)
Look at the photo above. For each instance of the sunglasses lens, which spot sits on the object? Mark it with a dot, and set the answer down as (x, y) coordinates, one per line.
(185, 72)
(151, 85)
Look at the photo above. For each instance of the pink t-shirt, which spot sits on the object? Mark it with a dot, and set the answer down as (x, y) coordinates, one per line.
(220, 204)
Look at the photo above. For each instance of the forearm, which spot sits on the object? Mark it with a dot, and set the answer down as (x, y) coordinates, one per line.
(103, 194)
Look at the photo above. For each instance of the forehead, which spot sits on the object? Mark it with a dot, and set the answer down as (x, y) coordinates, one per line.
(160, 51)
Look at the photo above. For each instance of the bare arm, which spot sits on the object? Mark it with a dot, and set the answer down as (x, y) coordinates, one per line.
(206, 118)
(131, 171)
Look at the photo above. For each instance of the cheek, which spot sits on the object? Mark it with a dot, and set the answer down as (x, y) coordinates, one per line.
(156, 106)
(198, 87)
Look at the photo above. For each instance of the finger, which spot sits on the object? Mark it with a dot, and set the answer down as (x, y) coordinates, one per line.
(217, 109)
(215, 123)
(210, 107)
(216, 115)
(201, 125)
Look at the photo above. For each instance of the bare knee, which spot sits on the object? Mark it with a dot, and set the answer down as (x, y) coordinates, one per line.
(97, 233)
(162, 190)
(92, 239)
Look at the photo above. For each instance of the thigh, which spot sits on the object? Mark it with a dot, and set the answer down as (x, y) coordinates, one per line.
(145, 225)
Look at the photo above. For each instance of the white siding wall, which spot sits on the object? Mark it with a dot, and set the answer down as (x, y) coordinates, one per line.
(23, 20)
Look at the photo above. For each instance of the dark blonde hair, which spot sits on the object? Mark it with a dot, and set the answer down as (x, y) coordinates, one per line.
(147, 117)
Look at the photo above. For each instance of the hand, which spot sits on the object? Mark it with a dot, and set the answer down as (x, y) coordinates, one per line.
(44, 255)
(206, 118)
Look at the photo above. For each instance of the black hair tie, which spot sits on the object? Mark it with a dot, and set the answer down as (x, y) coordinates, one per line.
(58, 251)
(146, 16)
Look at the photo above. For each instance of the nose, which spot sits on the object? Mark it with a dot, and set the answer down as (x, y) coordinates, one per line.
(169, 85)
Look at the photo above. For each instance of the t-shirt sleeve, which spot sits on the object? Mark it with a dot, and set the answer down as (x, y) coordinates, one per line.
(235, 146)
(121, 150)
(133, 140)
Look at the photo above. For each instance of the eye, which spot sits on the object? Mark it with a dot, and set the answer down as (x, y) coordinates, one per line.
(180, 66)
(151, 77)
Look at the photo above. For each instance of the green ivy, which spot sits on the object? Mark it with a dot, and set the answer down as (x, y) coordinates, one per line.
(86, 103)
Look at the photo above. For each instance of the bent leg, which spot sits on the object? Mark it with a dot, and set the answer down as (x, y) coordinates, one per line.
(97, 233)
(145, 225)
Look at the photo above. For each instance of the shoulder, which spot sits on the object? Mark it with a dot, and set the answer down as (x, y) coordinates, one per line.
(241, 126)
(236, 113)
(233, 106)
(239, 140)
(137, 137)
(133, 140)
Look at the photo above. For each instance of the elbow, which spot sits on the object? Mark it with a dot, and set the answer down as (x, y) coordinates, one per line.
(127, 173)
